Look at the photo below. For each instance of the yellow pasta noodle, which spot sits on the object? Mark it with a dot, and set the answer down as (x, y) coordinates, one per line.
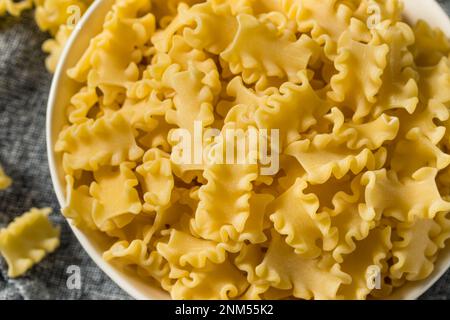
(352, 110)
(5, 181)
(416, 250)
(27, 240)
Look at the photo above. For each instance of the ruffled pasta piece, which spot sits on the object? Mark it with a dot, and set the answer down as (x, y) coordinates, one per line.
(139, 228)
(388, 196)
(5, 181)
(399, 88)
(414, 253)
(294, 214)
(360, 67)
(14, 8)
(195, 91)
(27, 240)
(115, 207)
(216, 281)
(112, 56)
(137, 253)
(197, 22)
(182, 53)
(249, 257)
(144, 114)
(106, 141)
(81, 104)
(79, 204)
(162, 37)
(214, 27)
(371, 135)
(233, 185)
(308, 279)
(230, 178)
(239, 94)
(157, 179)
(430, 44)
(326, 20)
(324, 156)
(184, 251)
(370, 252)
(426, 121)
(292, 111)
(426, 154)
(348, 220)
(283, 56)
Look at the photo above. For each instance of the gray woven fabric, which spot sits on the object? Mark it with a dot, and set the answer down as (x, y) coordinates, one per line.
(24, 86)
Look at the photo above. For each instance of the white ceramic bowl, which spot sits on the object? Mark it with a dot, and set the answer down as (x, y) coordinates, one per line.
(63, 88)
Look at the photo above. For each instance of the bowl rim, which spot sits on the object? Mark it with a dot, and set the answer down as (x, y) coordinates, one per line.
(441, 19)
(113, 273)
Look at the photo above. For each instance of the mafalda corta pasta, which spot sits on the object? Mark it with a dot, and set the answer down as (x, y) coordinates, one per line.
(361, 102)
(27, 240)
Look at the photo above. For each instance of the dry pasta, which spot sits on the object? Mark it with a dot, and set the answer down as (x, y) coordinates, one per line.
(27, 240)
(361, 103)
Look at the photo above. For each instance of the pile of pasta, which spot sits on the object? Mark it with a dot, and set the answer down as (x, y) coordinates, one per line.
(27, 240)
(363, 114)
(58, 17)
